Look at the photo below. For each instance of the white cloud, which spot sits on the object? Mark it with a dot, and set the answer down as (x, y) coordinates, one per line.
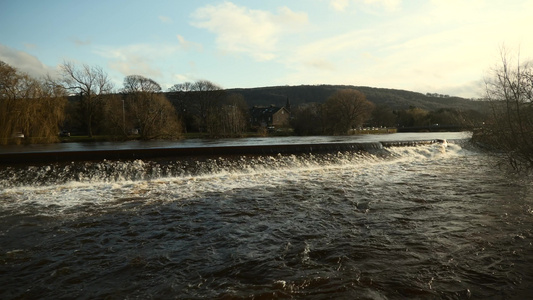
(142, 58)
(188, 45)
(165, 19)
(321, 64)
(436, 48)
(181, 78)
(137, 59)
(79, 42)
(370, 6)
(242, 30)
(135, 66)
(387, 5)
(25, 62)
(339, 5)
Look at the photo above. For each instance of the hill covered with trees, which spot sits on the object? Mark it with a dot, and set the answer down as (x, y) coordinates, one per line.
(392, 98)
(82, 100)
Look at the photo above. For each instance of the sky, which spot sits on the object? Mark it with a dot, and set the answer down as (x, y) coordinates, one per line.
(432, 46)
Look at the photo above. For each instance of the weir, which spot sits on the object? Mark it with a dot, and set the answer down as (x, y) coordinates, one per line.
(149, 153)
(265, 226)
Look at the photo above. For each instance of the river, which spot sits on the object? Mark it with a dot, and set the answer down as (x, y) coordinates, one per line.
(432, 221)
(254, 141)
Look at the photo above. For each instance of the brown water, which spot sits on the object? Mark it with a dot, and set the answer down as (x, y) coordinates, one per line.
(425, 222)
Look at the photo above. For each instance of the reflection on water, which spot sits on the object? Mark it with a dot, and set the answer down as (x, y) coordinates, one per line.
(423, 222)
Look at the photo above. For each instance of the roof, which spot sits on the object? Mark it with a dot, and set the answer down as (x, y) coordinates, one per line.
(262, 111)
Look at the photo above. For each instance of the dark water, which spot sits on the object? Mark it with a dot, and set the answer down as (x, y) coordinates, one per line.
(426, 222)
(254, 141)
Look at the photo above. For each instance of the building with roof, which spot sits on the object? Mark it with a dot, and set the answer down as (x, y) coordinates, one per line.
(271, 116)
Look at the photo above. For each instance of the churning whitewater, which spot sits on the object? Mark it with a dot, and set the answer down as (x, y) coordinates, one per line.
(429, 221)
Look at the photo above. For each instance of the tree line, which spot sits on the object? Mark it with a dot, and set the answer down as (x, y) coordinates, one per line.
(82, 100)
(349, 109)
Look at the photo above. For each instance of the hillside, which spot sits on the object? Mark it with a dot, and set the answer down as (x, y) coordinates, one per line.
(396, 99)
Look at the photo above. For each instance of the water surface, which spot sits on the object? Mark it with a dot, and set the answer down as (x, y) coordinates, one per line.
(254, 141)
(425, 222)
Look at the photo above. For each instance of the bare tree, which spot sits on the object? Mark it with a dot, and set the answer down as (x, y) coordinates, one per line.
(510, 90)
(346, 109)
(13, 93)
(180, 96)
(148, 109)
(138, 83)
(115, 117)
(30, 107)
(231, 118)
(181, 87)
(207, 98)
(198, 103)
(91, 84)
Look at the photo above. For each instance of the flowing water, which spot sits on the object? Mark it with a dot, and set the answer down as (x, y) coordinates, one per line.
(423, 222)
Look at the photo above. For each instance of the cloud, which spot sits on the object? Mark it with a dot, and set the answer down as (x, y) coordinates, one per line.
(437, 48)
(135, 66)
(188, 77)
(188, 45)
(398, 60)
(247, 31)
(165, 19)
(339, 5)
(24, 62)
(321, 64)
(142, 58)
(155, 61)
(387, 5)
(137, 59)
(78, 42)
(369, 6)
(189, 74)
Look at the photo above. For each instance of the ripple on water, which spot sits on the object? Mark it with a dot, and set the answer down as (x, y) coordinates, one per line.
(419, 224)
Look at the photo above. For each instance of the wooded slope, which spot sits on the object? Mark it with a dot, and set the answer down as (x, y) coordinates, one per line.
(395, 99)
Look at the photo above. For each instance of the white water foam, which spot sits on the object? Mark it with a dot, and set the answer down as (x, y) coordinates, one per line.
(100, 190)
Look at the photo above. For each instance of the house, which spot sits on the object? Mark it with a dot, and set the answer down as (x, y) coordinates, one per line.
(268, 116)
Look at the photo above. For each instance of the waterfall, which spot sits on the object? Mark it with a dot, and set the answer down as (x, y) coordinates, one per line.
(180, 162)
